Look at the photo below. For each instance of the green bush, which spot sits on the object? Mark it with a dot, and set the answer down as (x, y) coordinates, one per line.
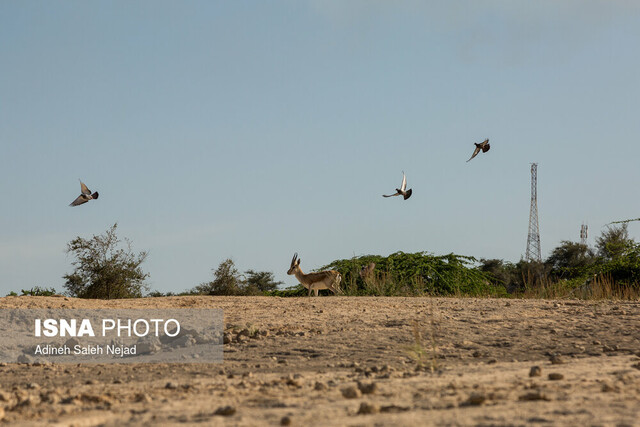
(413, 274)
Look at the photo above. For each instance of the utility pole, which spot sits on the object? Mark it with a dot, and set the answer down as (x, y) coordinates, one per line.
(583, 234)
(533, 239)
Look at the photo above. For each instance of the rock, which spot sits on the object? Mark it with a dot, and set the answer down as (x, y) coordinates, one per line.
(4, 396)
(183, 341)
(225, 411)
(367, 388)
(24, 358)
(555, 376)
(148, 347)
(476, 399)
(535, 371)
(295, 382)
(534, 395)
(319, 386)
(33, 386)
(351, 392)
(556, 360)
(143, 397)
(368, 408)
(171, 385)
(285, 421)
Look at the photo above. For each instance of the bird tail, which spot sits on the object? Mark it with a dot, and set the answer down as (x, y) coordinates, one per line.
(95, 195)
(407, 194)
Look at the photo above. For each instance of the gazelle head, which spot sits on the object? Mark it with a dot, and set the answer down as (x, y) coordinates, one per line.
(295, 264)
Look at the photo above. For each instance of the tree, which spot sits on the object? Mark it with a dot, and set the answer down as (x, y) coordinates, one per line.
(262, 281)
(226, 281)
(570, 259)
(614, 242)
(105, 270)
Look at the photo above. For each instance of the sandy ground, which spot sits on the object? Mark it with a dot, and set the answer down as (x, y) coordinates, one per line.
(352, 362)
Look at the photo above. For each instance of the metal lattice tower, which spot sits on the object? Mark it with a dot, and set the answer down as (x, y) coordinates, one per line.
(533, 240)
(583, 234)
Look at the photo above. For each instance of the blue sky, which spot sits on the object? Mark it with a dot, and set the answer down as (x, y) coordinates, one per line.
(253, 130)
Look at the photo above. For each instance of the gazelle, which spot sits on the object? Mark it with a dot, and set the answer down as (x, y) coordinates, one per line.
(329, 279)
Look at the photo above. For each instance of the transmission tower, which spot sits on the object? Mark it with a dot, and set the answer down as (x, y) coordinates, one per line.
(583, 234)
(533, 240)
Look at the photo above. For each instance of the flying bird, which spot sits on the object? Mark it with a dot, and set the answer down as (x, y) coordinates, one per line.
(85, 195)
(484, 146)
(402, 190)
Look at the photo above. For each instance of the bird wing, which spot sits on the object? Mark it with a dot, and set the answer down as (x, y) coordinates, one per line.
(407, 194)
(391, 195)
(475, 153)
(84, 189)
(404, 182)
(486, 147)
(79, 200)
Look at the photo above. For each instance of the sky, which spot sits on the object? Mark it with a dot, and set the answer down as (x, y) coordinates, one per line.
(251, 130)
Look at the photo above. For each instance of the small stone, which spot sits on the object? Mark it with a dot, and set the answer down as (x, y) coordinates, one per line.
(476, 399)
(535, 371)
(24, 358)
(33, 386)
(285, 421)
(4, 396)
(367, 388)
(225, 411)
(171, 385)
(534, 395)
(368, 408)
(143, 397)
(319, 386)
(295, 382)
(476, 353)
(606, 388)
(555, 376)
(351, 392)
(556, 360)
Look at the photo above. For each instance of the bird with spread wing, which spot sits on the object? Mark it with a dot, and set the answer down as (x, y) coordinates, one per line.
(85, 195)
(402, 191)
(482, 146)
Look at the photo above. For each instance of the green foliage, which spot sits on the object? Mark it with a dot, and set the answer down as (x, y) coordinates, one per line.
(105, 270)
(37, 291)
(292, 291)
(406, 274)
(12, 294)
(227, 280)
(614, 242)
(261, 281)
(570, 260)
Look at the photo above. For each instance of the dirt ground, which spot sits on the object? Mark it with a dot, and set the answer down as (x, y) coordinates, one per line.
(351, 361)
